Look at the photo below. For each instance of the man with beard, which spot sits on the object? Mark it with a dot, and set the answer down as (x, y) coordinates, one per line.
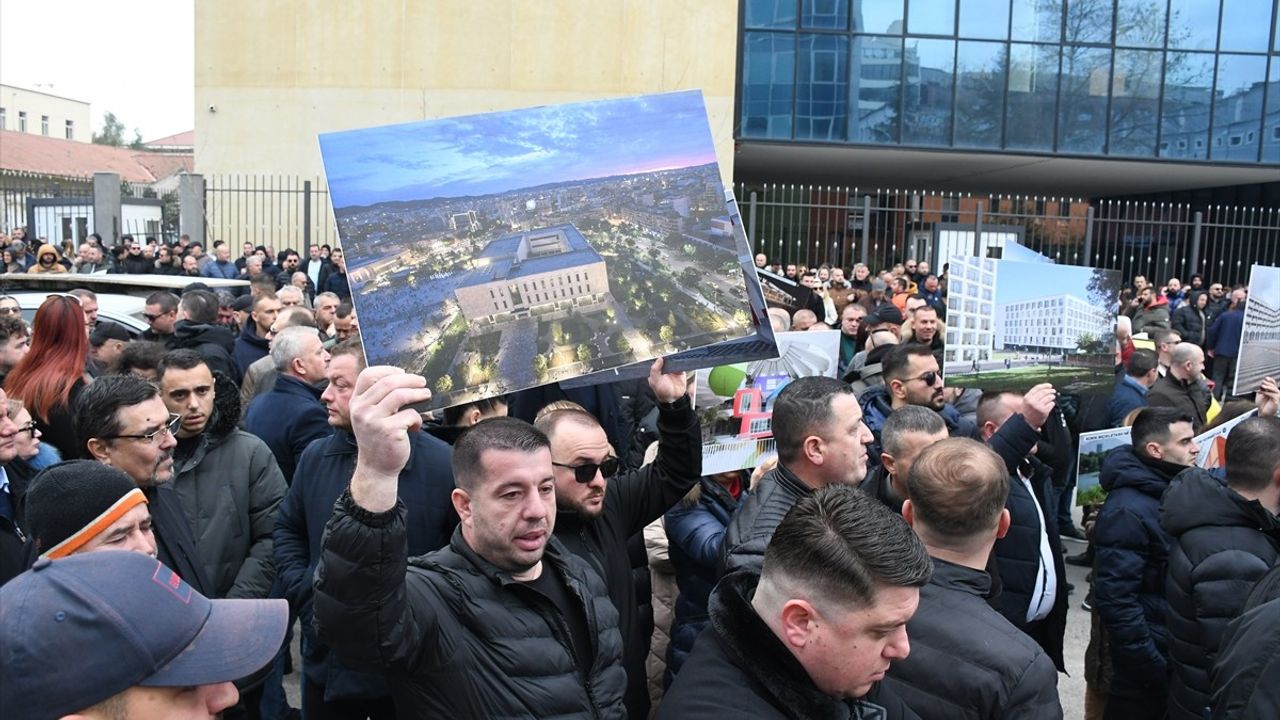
(504, 622)
(47, 261)
(1132, 557)
(598, 513)
(330, 688)
(227, 480)
(197, 329)
(911, 377)
(126, 425)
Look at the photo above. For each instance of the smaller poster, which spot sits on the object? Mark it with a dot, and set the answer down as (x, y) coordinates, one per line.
(736, 401)
(1213, 443)
(1259, 355)
(1093, 447)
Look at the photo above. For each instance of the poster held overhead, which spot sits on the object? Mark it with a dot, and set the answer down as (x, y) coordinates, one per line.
(1259, 354)
(493, 253)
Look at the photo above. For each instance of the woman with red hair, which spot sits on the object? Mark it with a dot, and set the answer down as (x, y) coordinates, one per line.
(51, 376)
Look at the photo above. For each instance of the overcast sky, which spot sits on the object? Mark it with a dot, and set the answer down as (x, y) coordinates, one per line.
(131, 57)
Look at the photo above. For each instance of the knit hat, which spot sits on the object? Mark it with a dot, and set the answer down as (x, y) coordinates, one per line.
(70, 503)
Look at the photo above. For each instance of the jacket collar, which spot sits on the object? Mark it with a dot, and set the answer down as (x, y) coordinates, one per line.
(1133, 382)
(950, 576)
(783, 476)
(553, 555)
(290, 385)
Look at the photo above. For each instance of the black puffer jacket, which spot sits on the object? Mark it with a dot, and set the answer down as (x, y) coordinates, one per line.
(966, 660)
(1246, 676)
(456, 636)
(757, 517)
(1222, 544)
(739, 669)
(212, 342)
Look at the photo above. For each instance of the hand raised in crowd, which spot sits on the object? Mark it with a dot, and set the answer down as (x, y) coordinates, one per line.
(381, 422)
(1268, 398)
(1038, 403)
(667, 387)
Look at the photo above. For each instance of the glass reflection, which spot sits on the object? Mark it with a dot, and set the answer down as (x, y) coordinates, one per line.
(878, 16)
(1089, 21)
(1082, 119)
(980, 74)
(1184, 117)
(1193, 24)
(822, 92)
(770, 14)
(877, 65)
(1135, 98)
(930, 76)
(1271, 121)
(1240, 27)
(768, 84)
(931, 18)
(1140, 23)
(984, 19)
(824, 14)
(1237, 107)
(1033, 94)
(1039, 20)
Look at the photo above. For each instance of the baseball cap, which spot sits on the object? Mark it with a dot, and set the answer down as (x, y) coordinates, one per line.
(108, 331)
(886, 313)
(242, 303)
(82, 629)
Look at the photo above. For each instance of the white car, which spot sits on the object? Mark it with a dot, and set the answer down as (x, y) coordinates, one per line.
(124, 310)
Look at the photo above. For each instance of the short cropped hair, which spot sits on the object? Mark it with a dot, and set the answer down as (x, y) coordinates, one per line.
(180, 360)
(289, 344)
(97, 415)
(500, 433)
(839, 543)
(803, 405)
(958, 488)
(991, 404)
(1184, 352)
(345, 308)
(1164, 336)
(896, 362)
(200, 307)
(352, 347)
(452, 415)
(167, 301)
(139, 355)
(1253, 453)
(1152, 425)
(263, 298)
(1141, 362)
(296, 316)
(909, 419)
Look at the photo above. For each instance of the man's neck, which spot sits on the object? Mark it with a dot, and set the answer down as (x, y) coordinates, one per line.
(975, 559)
(1268, 500)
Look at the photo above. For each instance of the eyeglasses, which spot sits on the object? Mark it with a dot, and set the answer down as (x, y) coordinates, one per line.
(30, 428)
(929, 378)
(10, 311)
(586, 472)
(171, 427)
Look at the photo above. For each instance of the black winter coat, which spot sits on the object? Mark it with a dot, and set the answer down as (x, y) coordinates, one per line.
(1185, 397)
(455, 636)
(288, 419)
(1130, 564)
(966, 660)
(635, 499)
(757, 517)
(739, 669)
(325, 470)
(213, 343)
(1222, 544)
(1190, 324)
(1246, 677)
(249, 347)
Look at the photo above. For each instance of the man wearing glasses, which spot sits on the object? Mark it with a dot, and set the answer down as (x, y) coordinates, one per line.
(126, 425)
(597, 513)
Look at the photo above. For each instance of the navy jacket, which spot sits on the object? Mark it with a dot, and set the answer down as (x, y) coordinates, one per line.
(695, 531)
(1224, 334)
(1128, 395)
(249, 347)
(1222, 544)
(323, 472)
(288, 419)
(1131, 561)
(337, 284)
(877, 406)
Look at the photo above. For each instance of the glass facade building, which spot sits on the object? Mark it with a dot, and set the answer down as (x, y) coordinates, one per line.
(1186, 80)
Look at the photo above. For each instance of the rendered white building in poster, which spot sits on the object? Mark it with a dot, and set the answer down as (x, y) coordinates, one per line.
(971, 291)
(1047, 324)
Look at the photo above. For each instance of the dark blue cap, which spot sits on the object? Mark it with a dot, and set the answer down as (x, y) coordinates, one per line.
(82, 629)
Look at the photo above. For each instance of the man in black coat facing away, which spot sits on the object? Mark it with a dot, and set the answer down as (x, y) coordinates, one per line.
(504, 622)
(1225, 537)
(813, 634)
(596, 514)
(967, 661)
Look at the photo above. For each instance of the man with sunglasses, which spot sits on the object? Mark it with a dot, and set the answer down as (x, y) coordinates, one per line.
(597, 513)
(161, 313)
(126, 425)
(911, 377)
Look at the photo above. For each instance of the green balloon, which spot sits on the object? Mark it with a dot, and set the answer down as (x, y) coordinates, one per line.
(726, 379)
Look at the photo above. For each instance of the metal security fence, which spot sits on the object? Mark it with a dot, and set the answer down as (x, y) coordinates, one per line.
(18, 190)
(842, 226)
(278, 211)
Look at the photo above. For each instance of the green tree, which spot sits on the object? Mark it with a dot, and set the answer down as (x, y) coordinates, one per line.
(112, 131)
(584, 353)
(666, 333)
(540, 366)
(740, 317)
(444, 384)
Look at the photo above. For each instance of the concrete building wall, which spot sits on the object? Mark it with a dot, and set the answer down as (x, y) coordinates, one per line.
(38, 105)
(271, 76)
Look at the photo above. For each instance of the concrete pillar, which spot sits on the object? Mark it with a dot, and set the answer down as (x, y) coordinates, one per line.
(107, 219)
(191, 207)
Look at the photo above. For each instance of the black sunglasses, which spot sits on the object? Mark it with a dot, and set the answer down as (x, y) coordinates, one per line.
(929, 378)
(586, 472)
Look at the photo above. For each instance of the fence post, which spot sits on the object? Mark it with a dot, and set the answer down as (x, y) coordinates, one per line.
(866, 229)
(191, 207)
(751, 222)
(106, 207)
(1088, 237)
(306, 213)
(1195, 242)
(977, 232)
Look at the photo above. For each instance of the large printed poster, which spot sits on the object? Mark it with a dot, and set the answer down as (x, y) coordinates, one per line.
(1259, 355)
(496, 252)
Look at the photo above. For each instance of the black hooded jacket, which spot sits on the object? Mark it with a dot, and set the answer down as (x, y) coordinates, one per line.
(1222, 544)
(212, 342)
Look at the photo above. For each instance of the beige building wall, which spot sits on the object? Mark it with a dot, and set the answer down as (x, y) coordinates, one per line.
(38, 105)
(270, 76)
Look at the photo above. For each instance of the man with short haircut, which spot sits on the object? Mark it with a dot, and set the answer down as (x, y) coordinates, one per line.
(15, 341)
(907, 432)
(89, 304)
(106, 344)
(1131, 392)
(290, 297)
(221, 268)
(227, 480)
(82, 506)
(316, 267)
(1181, 388)
(761, 260)
(1225, 537)
(912, 376)
(326, 312)
(161, 313)
(135, 263)
(196, 250)
(598, 512)
(140, 358)
(126, 425)
(1165, 341)
(821, 440)
(813, 634)
(504, 622)
(967, 661)
(261, 376)
(89, 259)
(330, 688)
(1218, 303)
(119, 635)
(197, 329)
(290, 416)
(803, 319)
(345, 324)
(252, 343)
(289, 262)
(1131, 559)
(1152, 311)
(850, 320)
(299, 280)
(925, 328)
(190, 266)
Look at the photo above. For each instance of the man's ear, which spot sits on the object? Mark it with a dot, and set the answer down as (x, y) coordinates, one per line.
(471, 417)
(812, 449)
(98, 449)
(895, 389)
(461, 504)
(888, 462)
(798, 620)
(1002, 526)
(909, 512)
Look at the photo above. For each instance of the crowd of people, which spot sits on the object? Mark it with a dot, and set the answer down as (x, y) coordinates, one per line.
(172, 507)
